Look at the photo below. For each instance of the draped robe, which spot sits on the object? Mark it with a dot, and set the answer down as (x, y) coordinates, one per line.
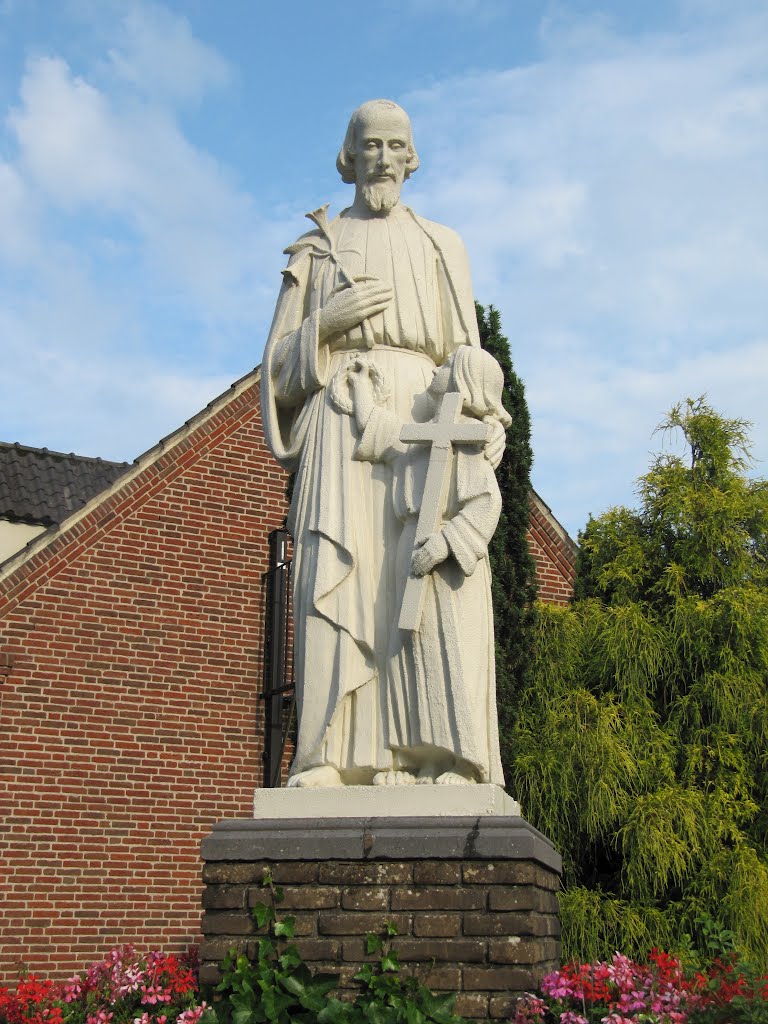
(341, 517)
(441, 679)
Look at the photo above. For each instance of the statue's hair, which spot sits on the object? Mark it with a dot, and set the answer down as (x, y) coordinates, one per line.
(345, 161)
(479, 379)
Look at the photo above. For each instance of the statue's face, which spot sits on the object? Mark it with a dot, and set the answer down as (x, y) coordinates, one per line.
(381, 154)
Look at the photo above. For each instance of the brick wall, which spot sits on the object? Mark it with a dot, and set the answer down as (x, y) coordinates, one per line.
(473, 900)
(129, 679)
(554, 553)
(488, 930)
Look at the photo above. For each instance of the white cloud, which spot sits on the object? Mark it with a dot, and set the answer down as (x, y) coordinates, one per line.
(88, 155)
(17, 218)
(614, 200)
(137, 391)
(161, 57)
(612, 194)
(67, 140)
(126, 249)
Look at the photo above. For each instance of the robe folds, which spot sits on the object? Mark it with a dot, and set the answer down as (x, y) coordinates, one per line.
(342, 515)
(441, 679)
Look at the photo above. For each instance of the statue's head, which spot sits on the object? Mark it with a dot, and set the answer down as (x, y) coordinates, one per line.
(378, 154)
(478, 378)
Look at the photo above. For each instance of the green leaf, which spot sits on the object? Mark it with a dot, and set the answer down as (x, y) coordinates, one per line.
(242, 1015)
(262, 914)
(290, 958)
(336, 1012)
(373, 943)
(323, 983)
(295, 985)
(285, 928)
(413, 1014)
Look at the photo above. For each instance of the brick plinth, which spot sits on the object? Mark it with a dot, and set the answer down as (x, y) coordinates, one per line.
(474, 901)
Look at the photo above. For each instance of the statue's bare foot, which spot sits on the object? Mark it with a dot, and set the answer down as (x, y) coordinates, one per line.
(393, 778)
(427, 775)
(323, 775)
(454, 779)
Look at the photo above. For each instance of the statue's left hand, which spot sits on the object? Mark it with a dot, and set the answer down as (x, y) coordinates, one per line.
(433, 551)
(495, 445)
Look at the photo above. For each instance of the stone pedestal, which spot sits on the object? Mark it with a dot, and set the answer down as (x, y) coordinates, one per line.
(473, 897)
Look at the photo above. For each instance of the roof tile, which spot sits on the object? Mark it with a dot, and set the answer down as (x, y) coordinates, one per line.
(44, 487)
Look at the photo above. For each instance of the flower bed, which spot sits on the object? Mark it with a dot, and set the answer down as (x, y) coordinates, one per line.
(123, 988)
(160, 988)
(658, 992)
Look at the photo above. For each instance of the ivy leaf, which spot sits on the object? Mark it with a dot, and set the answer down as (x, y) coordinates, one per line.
(413, 1014)
(285, 928)
(439, 1008)
(262, 913)
(373, 943)
(294, 985)
(335, 1012)
(290, 958)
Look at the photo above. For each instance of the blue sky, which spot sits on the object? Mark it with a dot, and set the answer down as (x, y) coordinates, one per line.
(607, 166)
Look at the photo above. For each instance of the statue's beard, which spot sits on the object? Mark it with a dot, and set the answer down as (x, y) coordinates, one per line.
(381, 196)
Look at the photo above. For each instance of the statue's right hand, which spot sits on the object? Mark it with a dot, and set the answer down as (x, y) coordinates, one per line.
(348, 308)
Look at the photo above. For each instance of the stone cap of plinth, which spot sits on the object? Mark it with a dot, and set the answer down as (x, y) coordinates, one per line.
(429, 801)
(479, 837)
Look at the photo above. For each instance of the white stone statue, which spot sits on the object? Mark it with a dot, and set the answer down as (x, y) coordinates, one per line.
(379, 705)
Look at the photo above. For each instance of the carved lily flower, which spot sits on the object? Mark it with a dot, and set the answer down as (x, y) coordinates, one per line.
(321, 248)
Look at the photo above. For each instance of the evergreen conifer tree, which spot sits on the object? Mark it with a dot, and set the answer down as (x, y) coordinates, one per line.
(641, 746)
(512, 567)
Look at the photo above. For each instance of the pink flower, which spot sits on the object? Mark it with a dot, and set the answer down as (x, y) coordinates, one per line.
(193, 1015)
(571, 1017)
(130, 980)
(101, 1017)
(558, 986)
(73, 987)
(152, 994)
(530, 1009)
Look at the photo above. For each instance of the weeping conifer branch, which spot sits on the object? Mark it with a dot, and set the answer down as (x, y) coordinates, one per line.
(640, 740)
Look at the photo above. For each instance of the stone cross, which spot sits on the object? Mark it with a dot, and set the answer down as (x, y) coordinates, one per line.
(442, 433)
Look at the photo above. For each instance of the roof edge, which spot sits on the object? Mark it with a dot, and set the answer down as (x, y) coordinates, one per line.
(557, 526)
(18, 446)
(140, 463)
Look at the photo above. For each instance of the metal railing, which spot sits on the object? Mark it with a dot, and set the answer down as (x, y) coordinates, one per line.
(278, 691)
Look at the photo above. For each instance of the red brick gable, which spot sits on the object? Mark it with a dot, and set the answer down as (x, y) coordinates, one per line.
(131, 651)
(554, 552)
(130, 673)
